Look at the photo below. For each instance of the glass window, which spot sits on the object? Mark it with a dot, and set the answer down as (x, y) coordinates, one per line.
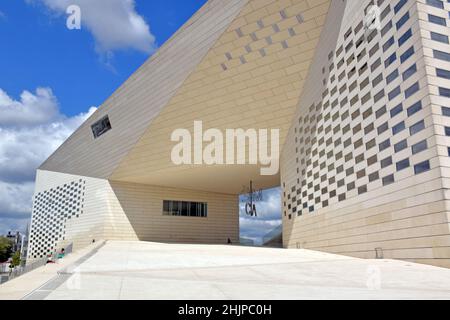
(416, 107)
(402, 145)
(405, 37)
(399, 5)
(446, 111)
(185, 209)
(411, 90)
(101, 127)
(390, 60)
(422, 167)
(437, 20)
(384, 145)
(394, 93)
(401, 165)
(415, 128)
(436, 3)
(441, 73)
(419, 147)
(444, 92)
(447, 131)
(386, 162)
(409, 72)
(388, 180)
(396, 110)
(398, 128)
(408, 53)
(388, 43)
(441, 55)
(439, 37)
(402, 20)
(392, 76)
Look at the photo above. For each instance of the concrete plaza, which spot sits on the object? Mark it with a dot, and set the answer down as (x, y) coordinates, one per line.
(141, 270)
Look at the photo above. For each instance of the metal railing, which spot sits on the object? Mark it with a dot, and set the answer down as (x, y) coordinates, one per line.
(21, 270)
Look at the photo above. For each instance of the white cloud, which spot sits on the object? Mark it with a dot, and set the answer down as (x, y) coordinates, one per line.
(115, 24)
(269, 216)
(30, 130)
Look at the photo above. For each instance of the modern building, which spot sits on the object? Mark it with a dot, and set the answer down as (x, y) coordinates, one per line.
(359, 91)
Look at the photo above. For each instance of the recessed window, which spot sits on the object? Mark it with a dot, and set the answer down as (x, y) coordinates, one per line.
(419, 147)
(185, 209)
(416, 107)
(396, 110)
(407, 54)
(384, 145)
(436, 3)
(441, 55)
(444, 92)
(399, 5)
(446, 111)
(101, 127)
(439, 37)
(411, 90)
(409, 72)
(402, 20)
(405, 37)
(437, 20)
(386, 162)
(422, 167)
(398, 128)
(402, 145)
(441, 73)
(401, 165)
(388, 180)
(415, 128)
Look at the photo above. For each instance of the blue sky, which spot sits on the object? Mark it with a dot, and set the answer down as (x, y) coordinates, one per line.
(53, 78)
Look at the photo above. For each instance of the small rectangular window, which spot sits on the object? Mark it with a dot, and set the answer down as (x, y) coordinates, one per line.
(411, 90)
(436, 3)
(416, 107)
(446, 111)
(407, 54)
(445, 56)
(409, 72)
(439, 37)
(419, 147)
(404, 37)
(101, 127)
(402, 145)
(437, 20)
(444, 92)
(401, 165)
(185, 209)
(386, 162)
(398, 128)
(422, 167)
(396, 110)
(391, 77)
(402, 20)
(388, 180)
(441, 73)
(399, 5)
(384, 145)
(415, 128)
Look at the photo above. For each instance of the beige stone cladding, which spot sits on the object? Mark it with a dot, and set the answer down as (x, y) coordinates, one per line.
(364, 167)
(140, 207)
(75, 209)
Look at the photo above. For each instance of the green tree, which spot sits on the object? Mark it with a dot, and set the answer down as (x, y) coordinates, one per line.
(15, 259)
(5, 249)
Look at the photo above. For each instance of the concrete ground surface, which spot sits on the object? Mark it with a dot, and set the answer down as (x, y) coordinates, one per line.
(142, 270)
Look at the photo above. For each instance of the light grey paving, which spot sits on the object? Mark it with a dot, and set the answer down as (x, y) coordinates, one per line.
(140, 270)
